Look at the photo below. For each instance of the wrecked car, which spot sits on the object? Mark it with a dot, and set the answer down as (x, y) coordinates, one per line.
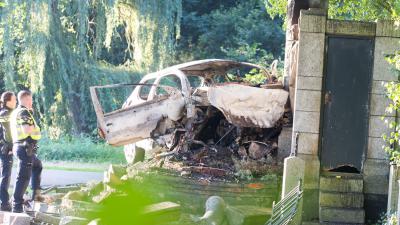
(199, 104)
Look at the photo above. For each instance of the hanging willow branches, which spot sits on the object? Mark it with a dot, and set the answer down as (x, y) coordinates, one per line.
(151, 28)
(58, 48)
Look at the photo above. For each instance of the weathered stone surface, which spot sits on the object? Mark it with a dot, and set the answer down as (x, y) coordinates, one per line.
(375, 206)
(2, 216)
(341, 184)
(67, 189)
(375, 150)
(74, 208)
(164, 212)
(311, 54)
(41, 207)
(309, 83)
(306, 122)
(341, 200)
(310, 22)
(310, 223)
(379, 104)
(47, 218)
(312, 171)
(307, 143)
(376, 176)
(393, 192)
(284, 143)
(293, 171)
(309, 101)
(350, 28)
(384, 46)
(247, 215)
(387, 28)
(16, 219)
(378, 87)
(341, 215)
(378, 127)
(310, 206)
(70, 220)
(162, 207)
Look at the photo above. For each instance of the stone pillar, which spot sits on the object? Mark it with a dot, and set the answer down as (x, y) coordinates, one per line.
(307, 108)
(376, 166)
(398, 205)
(393, 191)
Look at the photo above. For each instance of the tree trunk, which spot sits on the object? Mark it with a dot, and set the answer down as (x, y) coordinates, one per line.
(292, 19)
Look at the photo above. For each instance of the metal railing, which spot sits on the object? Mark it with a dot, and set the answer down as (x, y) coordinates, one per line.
(284, 211)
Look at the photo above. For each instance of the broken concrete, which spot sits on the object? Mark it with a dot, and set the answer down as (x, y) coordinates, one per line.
(214, 212)
(70, 220)
(47, 218)
(247, 215)
(16, 219)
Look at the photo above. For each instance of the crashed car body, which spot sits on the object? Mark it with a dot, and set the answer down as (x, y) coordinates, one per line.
(169, 100)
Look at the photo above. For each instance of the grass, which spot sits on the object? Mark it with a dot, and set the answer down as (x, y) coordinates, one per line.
(80, 150)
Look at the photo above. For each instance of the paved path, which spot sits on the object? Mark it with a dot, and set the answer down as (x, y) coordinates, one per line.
(63, 177)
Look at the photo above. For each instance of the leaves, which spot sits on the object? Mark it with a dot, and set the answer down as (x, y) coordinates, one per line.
(58, 51)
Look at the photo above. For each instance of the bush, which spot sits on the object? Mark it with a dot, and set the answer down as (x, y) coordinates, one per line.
(79, 149)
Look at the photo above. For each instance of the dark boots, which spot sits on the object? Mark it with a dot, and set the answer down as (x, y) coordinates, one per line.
(37, 196)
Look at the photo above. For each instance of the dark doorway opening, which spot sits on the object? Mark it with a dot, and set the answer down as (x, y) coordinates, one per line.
(345, 169)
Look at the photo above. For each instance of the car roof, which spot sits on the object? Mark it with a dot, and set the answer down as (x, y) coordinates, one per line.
(202, 66)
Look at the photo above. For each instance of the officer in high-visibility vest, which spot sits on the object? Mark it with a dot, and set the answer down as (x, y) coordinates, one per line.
(8, 102)
(25, 134)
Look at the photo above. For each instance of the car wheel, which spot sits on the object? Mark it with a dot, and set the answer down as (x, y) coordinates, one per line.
(134, 154)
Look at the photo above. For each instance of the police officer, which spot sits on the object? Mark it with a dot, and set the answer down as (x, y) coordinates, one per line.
(7, 104)
(25, 134)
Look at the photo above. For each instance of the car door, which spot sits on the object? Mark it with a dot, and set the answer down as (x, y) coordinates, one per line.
(137, 120)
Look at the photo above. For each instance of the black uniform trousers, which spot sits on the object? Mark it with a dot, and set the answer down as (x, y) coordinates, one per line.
(6, 166)
(29, 168)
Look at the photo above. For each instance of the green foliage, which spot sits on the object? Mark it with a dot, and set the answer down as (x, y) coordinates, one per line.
(362, 10)
(255, 77)
(239, 30)
(128, 204)
(393, 93)
(58, 49)
(151, 28)
(79, 149)
(276, 8)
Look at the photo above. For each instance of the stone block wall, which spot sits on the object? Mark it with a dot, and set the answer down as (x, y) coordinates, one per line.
(308, 98)
(308, 105)
(376, 166)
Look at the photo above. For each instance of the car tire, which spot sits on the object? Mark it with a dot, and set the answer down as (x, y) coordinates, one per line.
(134, 154)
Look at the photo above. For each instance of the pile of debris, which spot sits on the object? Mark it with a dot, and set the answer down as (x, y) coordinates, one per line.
(222, 150)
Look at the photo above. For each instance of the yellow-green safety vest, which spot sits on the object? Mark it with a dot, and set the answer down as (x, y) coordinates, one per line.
(17, 131)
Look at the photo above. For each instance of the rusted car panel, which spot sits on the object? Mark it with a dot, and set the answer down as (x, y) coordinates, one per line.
(246, 106)
(133, 124)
